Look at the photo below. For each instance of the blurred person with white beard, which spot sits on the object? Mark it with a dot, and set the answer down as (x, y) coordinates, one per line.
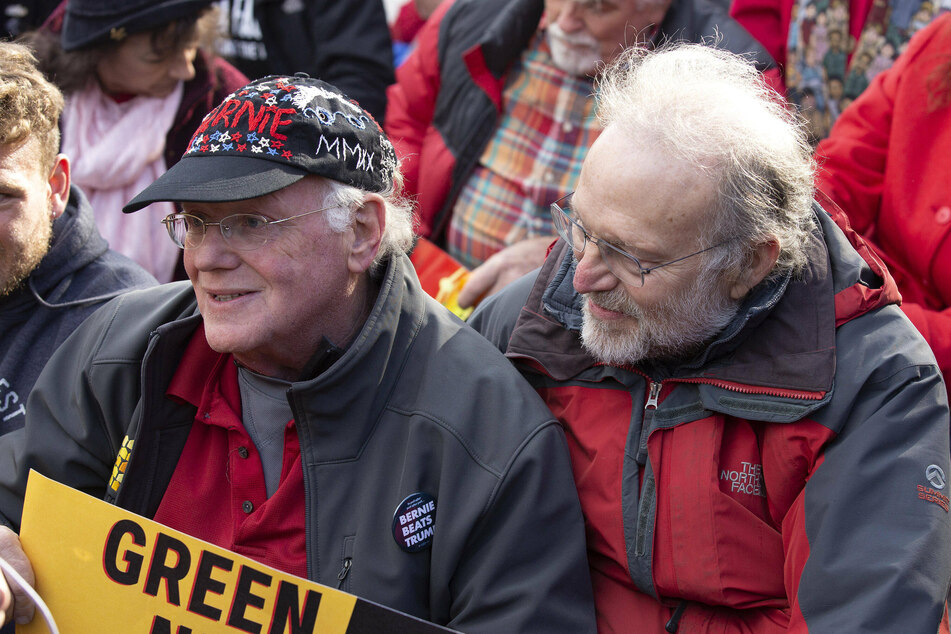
(759, 436)
(493, 112)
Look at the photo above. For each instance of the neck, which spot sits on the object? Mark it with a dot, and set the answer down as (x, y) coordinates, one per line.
(362, 299)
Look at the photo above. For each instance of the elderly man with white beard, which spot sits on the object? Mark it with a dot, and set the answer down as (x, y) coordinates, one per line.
(493, 112)
(759, 437)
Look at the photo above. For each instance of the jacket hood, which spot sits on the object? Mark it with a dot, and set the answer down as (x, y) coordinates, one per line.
(696, 20)
(781, 340)
(76, 243)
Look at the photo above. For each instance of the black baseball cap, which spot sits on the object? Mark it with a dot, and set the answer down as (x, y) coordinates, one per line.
(271, 134)
(89, 21)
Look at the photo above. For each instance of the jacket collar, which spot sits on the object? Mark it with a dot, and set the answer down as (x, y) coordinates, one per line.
(336, 410)
(76, 243)
(512, 29)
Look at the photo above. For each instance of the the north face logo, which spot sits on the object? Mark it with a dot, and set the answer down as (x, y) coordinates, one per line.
(748, 479)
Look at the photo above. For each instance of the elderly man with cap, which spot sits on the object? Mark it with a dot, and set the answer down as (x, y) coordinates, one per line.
(302, 392)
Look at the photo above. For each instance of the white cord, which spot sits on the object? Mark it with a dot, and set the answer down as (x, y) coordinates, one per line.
(12, 574)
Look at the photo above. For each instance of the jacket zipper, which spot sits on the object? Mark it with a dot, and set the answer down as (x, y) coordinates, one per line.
(348, 542)
(653, 397)
(751, 389)
(653, 392)
(647, 488)
(740, 388)
(342, 575)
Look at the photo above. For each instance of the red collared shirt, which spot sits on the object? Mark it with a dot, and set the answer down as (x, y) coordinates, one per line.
(217, 491)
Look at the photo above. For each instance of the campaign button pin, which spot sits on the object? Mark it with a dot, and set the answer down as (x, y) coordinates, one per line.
(414, 521)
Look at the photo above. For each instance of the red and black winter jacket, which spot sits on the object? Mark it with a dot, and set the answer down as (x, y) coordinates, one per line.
(787, 479)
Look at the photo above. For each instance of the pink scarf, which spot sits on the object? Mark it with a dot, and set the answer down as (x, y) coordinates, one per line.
(115, 151)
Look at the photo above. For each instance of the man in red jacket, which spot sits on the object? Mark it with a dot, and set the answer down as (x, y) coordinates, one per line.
(759, 436)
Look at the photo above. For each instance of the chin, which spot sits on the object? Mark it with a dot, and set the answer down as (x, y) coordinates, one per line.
(161, 93)
(574, 62)
(614, 343)
(224, 339)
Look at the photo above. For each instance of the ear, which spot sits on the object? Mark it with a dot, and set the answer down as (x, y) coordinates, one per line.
(369, 221)
(59, 186)
(763, 260)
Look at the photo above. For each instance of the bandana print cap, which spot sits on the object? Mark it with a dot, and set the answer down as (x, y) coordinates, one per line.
(270, 134)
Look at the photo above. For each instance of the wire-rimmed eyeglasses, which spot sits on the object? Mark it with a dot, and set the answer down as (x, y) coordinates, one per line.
(243, 232)
(622, 264)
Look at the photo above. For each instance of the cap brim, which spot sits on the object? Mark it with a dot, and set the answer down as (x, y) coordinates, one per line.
(217, 179)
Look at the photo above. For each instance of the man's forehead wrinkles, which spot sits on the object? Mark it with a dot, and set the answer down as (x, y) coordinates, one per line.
(609, 233)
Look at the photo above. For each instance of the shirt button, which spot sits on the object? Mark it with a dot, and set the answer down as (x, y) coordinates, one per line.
(246, 506)
(549, 176)
(243, 451)
(943, 215)
(567, 127)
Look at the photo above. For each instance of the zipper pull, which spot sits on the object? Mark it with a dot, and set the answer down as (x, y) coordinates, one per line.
(674, 623)
(653, 392)
(344, 571)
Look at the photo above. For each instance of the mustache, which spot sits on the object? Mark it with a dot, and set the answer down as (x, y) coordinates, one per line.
(616, 300)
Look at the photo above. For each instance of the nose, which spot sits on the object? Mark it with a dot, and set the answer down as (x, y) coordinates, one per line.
(568, 16)
(213, 253)
(591, 274)
(182, 65)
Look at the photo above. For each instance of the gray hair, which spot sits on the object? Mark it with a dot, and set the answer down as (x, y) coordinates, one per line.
(713, 110)
(398, 233)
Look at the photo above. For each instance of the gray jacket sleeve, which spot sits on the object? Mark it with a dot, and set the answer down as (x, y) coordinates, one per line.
(874, 534)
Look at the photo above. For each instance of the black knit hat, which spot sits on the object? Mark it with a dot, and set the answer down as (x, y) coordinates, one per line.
(90, 21)
(271, 134)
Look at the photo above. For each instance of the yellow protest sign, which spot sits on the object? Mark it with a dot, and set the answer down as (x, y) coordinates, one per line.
(102, 569)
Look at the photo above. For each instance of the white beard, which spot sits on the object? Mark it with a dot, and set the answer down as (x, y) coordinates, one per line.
(675, 328)
(571, 59)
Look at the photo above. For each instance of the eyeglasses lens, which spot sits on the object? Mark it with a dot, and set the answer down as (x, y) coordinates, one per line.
(622, 266)
(566, 228)
(245, 231)
(179, 230)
